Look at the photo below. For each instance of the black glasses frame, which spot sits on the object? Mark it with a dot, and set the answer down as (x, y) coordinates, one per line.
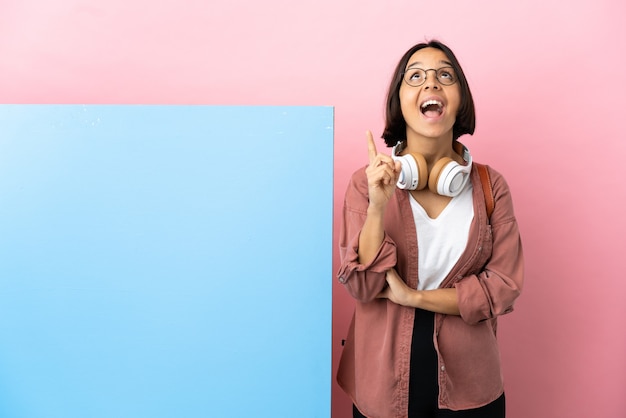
(438, 76)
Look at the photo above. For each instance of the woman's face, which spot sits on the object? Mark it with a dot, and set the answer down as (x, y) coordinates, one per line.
(429, 109)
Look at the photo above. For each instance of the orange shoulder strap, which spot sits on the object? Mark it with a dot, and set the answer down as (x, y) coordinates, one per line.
(487, 189)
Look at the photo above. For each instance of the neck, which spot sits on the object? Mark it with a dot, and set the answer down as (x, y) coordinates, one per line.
(433, 149)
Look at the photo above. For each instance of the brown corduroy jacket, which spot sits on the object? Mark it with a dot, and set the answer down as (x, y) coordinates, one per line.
(374, 368)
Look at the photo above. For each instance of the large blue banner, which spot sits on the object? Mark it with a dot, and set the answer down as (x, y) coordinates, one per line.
(165, 261)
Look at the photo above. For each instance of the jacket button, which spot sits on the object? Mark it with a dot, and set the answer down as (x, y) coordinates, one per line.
(443, 368)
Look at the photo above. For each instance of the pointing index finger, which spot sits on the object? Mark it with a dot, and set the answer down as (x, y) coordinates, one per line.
(371, 146)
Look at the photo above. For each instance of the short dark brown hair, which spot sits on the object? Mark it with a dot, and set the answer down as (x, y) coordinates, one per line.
(395, 125)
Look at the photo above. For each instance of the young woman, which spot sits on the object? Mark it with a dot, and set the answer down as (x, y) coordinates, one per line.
(429, 270)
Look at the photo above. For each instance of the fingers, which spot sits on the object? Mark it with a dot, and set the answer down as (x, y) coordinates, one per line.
(371, 147)
(393, 278)
(382, 168)
(382, 171)
(394, 287)
(393, 273)
(385, 174)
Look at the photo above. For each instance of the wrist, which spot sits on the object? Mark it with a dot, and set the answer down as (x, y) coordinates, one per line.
(375, 210)
(416, 297)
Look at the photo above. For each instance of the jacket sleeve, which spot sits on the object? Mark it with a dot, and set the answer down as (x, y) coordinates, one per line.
(493, 291)
(363, 282)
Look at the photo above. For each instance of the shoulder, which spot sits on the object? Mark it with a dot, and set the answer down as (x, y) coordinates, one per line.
(497, 180)
(503, 207)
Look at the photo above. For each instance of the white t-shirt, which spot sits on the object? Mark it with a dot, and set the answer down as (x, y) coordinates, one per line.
(442, 240)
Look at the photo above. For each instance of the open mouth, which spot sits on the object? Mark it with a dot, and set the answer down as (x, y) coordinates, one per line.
(431, 108)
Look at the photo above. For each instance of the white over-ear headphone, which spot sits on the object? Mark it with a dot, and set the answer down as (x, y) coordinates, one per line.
(447, 177)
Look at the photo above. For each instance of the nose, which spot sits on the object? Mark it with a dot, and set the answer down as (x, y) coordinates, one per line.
(431, 80)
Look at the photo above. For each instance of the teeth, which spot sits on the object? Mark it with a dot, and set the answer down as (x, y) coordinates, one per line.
(431, 102)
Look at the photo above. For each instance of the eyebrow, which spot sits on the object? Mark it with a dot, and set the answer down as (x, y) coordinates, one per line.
(413, 64)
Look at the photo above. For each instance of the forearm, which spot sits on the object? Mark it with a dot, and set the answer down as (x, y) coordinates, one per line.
(371, 236)
(439, 300)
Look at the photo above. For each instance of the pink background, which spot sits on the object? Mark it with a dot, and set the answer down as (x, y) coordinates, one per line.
(549, 85)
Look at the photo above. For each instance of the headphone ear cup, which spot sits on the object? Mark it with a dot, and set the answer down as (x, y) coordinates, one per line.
(437, 179)
(413, 172)
(422, 170)
(448, 178)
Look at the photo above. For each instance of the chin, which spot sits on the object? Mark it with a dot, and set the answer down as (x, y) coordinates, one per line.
(435, 133)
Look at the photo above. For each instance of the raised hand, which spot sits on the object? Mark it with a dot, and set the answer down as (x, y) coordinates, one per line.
(382, 175)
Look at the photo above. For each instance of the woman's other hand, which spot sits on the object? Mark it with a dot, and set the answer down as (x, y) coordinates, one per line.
(397, 290)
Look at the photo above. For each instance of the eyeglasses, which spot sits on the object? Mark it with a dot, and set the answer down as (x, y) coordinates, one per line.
(417, 76)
